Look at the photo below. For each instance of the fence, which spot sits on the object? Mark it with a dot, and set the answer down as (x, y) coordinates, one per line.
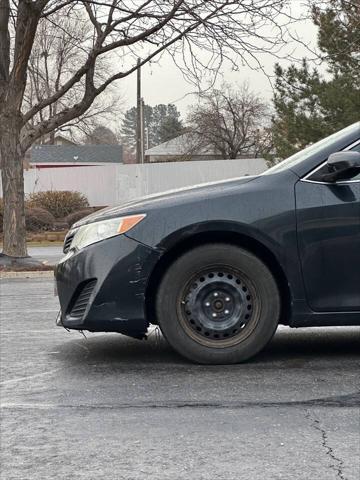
(111, 184)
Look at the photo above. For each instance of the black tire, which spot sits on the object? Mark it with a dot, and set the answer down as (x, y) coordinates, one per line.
(218, 304)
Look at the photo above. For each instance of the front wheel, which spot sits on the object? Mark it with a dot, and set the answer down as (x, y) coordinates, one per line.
(218, 304)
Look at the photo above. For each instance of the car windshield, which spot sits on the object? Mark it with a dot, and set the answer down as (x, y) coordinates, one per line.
(314, 148)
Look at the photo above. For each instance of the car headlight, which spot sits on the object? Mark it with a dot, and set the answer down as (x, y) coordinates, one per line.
(97, 231)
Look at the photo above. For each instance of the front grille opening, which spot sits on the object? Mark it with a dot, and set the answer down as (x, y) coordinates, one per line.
(67, 242)
(81, 298)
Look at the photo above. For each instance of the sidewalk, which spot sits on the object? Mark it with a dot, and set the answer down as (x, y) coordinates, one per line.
(50, 254)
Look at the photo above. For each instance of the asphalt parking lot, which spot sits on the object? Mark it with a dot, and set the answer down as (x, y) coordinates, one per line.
(109, 407)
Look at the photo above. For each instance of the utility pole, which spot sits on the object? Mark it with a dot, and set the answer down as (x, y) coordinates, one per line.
(138, 114)
(139, 119)
(142, 131)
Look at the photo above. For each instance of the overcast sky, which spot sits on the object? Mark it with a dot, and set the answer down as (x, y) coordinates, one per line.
(163, 83)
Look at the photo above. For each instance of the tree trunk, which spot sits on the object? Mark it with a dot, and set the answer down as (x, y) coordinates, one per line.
(12, 176)
(233, 154)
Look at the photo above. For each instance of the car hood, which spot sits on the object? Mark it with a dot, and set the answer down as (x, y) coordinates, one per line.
(169, 197)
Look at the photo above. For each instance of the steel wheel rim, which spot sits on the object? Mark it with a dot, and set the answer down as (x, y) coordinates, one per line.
(219, 307)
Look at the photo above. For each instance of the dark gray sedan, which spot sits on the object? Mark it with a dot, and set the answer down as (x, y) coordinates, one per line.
(219, 266)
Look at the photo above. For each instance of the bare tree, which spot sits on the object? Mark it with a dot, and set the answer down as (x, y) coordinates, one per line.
(232, 122)
(121, 31)
(56, 54)
(101, 135)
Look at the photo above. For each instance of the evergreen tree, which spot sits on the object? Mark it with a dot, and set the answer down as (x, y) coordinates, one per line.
(169, 128)
(128, 129)
(309, 106)
(169, 124)
(162, 123)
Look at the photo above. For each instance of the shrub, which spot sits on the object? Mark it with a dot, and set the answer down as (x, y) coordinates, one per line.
(78, 215)
(38, 219)
(58, 203)
(60, 225)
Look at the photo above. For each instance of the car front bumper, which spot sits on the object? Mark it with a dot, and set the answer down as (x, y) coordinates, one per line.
(102, 287)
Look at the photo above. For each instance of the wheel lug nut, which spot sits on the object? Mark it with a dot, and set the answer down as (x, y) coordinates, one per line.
(227, 312)
(227, 299)
(216, 294)
(214, 315)
(207, 304)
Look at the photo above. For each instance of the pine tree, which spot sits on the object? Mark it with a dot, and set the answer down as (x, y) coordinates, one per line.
(309, 106)
(169, 128)
(162, 123)
(128, 130)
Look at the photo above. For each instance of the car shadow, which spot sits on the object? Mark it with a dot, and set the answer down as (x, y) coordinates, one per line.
(309, 344)
(290, 347)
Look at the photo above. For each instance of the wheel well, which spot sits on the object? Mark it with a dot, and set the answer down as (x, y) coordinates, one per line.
(240, 240)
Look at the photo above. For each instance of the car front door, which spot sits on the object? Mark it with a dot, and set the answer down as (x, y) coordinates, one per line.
(328, 223)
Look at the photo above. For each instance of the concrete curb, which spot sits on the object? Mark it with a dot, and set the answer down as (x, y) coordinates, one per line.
(44, 237)
(49, 237)
(40, 274)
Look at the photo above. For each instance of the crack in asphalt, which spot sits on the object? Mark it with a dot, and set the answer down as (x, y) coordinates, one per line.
(336, 463)
(344, 401)
(29, 377)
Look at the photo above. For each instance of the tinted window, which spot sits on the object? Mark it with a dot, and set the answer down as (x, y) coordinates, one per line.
(316, 147)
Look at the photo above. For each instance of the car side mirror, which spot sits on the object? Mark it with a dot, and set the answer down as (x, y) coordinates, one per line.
(342, 166)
